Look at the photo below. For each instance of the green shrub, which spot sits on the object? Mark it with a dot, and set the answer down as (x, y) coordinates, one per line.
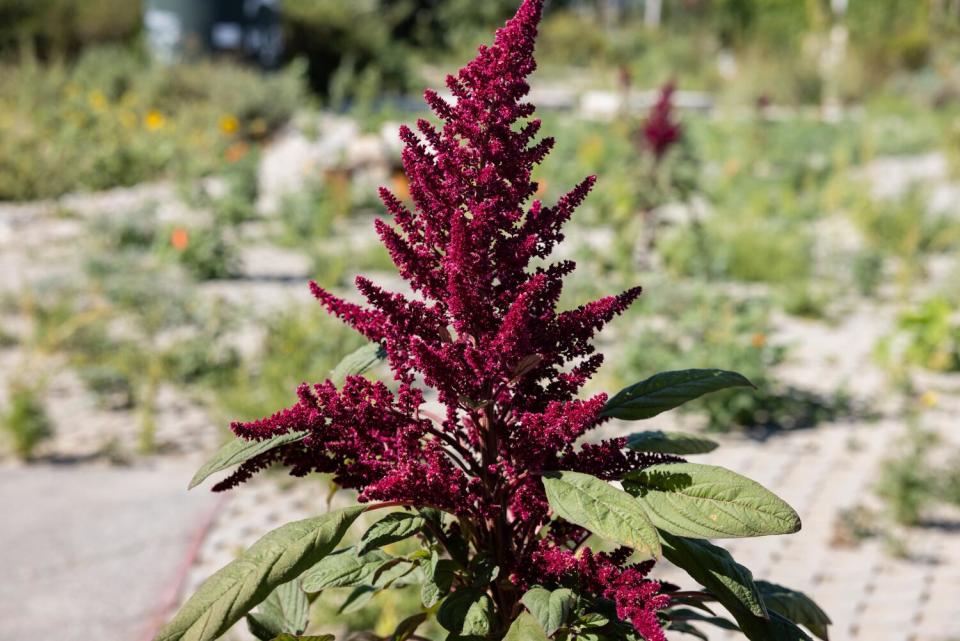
(907, 483)
(113, 119)
(905, 230)
(928, 336)
(204, 251)
(25, 421)
(765, 250)
(54, 28)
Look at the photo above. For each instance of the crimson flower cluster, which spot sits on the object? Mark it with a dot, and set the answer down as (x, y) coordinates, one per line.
(481, 329)
(661, 131)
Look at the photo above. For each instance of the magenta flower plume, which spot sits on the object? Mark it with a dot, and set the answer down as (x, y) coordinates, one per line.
(482, 331)
(661, 131)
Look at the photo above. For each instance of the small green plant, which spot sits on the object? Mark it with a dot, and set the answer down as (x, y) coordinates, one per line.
(205, 252)
(905, 230)
(927, 336)
(868, 268)
(25, 421)
(907, 484)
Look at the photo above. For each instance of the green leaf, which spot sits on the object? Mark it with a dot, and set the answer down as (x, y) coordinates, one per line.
(670, 443)
(238, 451)
(394, 527)
(358, 598)
(601, 508)
(667, 390)
(525, 628)
(279, 557)
(479, 618)
(343, 569)
(408, 626)
(708, 502)
(776, 628)
(286, 610)
(686, 628)
(358, 362)
(795, 606)
(452, 614)
(438, 579)
(551, 609)
(686, 614)
(715, 569)
(393, 572)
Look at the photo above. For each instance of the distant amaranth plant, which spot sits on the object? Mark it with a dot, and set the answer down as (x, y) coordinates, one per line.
(661, 131)
(499, 497)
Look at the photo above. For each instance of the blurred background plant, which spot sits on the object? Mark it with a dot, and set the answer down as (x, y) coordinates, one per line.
(24, 420)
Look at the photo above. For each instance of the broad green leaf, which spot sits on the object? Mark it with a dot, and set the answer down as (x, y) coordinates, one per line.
(551, 609)
(479, 618)
(261, 628)
(795, 606)
(286, 610)
(776, 628)
(358, 362)
(686, 614)
(453, 611)
(394, 527)
(408, 626)
(708, 502)
(393, 572)
(686, 628)
(601, 508)
(279, 557)
(525, 628)
(715, 569)
(667, 390)
(733, 586)
(437, 581)
(592, 620)
(238, 451)
(670, 443)
(343, 569)
(358, 598)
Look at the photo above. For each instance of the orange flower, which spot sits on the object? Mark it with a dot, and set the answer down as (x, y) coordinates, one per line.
(179, 238)
(401, 186)
(236, 151)
(541, 187)
(154, 120)
(758, 340)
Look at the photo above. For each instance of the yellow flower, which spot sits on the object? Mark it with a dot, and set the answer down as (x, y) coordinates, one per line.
(229, 124)
(97, 100)
(929, 398)
(154, 120)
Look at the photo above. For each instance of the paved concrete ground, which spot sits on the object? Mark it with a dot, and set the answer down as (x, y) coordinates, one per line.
(93, 552)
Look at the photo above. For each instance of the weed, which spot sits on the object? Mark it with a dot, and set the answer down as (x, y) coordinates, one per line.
(25, 420)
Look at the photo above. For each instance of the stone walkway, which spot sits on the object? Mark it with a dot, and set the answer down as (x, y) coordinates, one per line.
(95, 552)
